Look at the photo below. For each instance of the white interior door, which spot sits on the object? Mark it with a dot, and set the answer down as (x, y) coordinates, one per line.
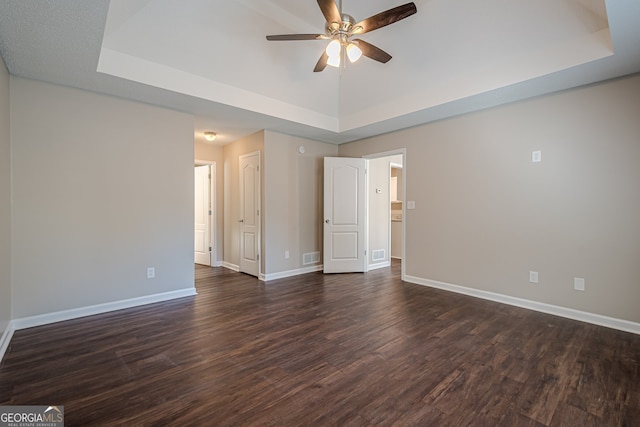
(202, 219)
(345, 213)
(250, 213)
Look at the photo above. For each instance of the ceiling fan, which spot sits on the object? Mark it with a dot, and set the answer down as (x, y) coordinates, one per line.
(341, 28)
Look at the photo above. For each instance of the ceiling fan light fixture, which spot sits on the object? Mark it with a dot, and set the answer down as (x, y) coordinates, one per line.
(333, 48)
(353, 52)
(334, 61)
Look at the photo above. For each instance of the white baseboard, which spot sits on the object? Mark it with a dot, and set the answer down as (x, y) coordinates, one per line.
(583, 316)
(6, 339)
(217, 264)
(290, 273)
(230, 266)
(74, 313)
(378, 265)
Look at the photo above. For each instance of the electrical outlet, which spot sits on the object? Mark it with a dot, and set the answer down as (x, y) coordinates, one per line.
(533, 276)
(578, 284)
(286, 254)
(151, 273)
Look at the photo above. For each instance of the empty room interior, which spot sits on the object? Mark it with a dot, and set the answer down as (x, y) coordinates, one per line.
(321, 212)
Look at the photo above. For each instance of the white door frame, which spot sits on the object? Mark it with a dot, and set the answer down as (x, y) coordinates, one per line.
(359, 224)
(258, 202)
(212, 217)
(403, 152)
(391, 167)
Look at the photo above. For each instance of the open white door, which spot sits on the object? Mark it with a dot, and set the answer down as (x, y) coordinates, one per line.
(345, 211)
(202, 218)
(250, 211)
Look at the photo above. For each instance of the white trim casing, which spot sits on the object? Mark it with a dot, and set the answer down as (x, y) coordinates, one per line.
(569, 313)
(230, 266)
(74, 313)
(290, 273)
(379, 265)
(6, 339)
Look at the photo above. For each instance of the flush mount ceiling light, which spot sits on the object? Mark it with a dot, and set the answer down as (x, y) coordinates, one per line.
(210, 136)
(340, 28)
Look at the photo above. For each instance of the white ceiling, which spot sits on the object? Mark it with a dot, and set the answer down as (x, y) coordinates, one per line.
(211, 58)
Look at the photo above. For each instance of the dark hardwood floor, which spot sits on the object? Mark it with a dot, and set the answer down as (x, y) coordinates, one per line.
(344, 349)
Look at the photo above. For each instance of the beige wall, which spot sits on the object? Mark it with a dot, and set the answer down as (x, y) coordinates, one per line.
(232, 153)
(293, 199)
(485, 215)
(5, 201)
(291, 202)
(215, 153)
(102, 189)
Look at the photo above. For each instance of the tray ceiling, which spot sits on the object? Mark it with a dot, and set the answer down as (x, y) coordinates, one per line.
(211, 58)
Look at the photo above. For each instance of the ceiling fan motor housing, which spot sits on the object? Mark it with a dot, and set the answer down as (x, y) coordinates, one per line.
(341, 31)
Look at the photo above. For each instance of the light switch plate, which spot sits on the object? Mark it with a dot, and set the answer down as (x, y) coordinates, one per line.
(536, 156)
(411, 204)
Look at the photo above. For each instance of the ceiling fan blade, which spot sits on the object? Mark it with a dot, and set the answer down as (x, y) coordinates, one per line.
(385, 18)
(330, 11)
(289, 37)
(373, 52)
(322, 62)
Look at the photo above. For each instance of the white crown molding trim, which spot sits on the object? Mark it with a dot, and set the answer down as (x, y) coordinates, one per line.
(569, 313)
(230, 266)
(6, 339)
(74, 313)
(290, 273)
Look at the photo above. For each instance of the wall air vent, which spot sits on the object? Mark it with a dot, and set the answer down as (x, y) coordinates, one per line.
(378, 255)
(310, 258)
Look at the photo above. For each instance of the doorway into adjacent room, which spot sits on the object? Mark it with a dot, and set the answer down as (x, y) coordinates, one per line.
(371, 229)
(386, 209)
(250, 213)
(204, 203)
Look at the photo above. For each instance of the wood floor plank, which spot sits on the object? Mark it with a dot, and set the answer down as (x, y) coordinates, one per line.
(344, 349)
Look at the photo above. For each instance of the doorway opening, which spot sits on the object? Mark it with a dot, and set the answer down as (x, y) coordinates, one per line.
(250, 219)
(396, 179)
(387, 209)
(204, 213)
(356, 242)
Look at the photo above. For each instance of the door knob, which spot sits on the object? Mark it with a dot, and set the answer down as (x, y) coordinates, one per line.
(327, 221)
(241, 220)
